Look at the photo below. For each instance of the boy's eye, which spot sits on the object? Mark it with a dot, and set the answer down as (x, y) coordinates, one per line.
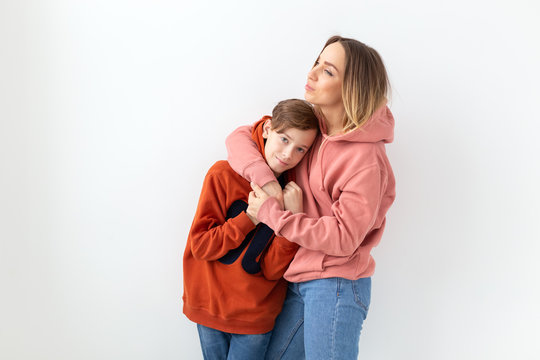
(284, 139)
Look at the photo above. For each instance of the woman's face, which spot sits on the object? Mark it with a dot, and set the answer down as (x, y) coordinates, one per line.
(325, 79)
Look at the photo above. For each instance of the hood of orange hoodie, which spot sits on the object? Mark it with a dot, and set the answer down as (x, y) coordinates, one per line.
(379, 127)
(257, 133)
(257, 136)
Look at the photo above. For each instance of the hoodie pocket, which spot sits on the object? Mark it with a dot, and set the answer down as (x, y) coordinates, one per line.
(309, 260)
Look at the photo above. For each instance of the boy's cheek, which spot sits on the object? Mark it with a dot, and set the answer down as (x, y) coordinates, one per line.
(296, 162)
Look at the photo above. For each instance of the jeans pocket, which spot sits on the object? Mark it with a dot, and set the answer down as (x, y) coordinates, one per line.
(362, 292)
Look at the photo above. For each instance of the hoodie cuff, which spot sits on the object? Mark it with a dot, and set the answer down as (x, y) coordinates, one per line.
(269, 211)
(243, 222)
(285, 244)
(260, 175)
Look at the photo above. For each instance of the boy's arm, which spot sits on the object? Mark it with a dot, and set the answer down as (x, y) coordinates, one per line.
(211, 235)
(277, 258)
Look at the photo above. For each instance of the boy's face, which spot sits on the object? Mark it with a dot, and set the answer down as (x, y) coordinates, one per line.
(285, 149)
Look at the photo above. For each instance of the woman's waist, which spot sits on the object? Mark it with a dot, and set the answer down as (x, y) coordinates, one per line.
(311, 264)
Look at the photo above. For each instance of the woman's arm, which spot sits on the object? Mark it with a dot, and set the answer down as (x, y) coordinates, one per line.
(281, 251)
(353, 216)
(246, 159)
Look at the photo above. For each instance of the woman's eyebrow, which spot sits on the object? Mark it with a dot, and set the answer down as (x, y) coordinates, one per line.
(332, 65)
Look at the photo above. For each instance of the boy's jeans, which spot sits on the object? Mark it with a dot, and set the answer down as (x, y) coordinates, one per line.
(219, 345)
(321, 319)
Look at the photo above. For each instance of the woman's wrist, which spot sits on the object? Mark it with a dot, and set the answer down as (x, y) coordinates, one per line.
(273, 189)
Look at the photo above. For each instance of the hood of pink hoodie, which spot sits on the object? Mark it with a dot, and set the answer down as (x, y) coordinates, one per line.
(379, 127)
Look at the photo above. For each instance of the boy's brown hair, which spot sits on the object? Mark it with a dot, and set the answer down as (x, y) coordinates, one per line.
(294, 113)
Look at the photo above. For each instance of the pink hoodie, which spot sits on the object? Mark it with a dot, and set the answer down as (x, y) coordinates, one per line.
(348, 187)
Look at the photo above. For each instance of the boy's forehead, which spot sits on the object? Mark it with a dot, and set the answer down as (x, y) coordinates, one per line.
(281, 128)
(290, 130)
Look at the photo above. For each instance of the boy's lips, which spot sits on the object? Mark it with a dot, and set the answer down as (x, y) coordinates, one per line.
(281, 161)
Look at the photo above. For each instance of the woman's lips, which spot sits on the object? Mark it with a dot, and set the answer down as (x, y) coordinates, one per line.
(308, 88)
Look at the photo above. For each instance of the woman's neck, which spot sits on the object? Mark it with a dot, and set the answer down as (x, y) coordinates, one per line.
(333, 118)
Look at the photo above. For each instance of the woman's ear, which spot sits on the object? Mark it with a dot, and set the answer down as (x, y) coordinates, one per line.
(267, 126)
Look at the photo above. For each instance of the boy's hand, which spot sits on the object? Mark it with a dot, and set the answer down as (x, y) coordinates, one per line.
(249, 213)
(274, 189)
(292, 198)
(256, 198)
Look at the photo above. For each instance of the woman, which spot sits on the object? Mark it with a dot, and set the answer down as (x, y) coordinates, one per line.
(348, 186)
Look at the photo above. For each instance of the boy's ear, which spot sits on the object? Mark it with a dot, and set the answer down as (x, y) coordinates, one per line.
(267, 126)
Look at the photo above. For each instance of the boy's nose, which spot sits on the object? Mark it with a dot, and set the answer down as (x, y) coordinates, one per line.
(287, 153)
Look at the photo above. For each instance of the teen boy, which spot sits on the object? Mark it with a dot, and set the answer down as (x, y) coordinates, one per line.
(233, 265)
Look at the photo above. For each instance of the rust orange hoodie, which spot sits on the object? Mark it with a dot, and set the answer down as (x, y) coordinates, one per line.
(233, 269)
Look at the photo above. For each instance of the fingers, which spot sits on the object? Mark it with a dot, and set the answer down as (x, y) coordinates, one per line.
(292, 186)
(256, 189)
(251, 196)
(273, 189)
(292, 194)
(251, 210)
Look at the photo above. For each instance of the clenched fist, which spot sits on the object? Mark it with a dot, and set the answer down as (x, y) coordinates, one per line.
(292, 198)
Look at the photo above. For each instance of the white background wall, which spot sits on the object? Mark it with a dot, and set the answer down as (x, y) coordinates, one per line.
(112, 111)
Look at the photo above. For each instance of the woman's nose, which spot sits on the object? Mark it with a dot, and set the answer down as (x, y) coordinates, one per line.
(312, 74)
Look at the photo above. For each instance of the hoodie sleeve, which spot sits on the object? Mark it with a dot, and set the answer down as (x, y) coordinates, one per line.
(246, 159)
(353, 216)
(277, 258)
(211, 236)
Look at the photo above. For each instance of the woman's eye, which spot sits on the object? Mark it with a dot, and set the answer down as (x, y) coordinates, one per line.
(300, 150)
(328, 72)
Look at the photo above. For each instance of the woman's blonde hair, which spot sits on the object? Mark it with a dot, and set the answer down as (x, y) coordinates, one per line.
(365, 83)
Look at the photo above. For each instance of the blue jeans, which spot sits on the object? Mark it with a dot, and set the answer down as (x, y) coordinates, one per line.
(219, 345)
(321, 319)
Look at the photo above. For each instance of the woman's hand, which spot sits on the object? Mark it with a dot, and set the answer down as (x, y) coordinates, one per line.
(256, 198)
(274, 189)
(292, 198)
